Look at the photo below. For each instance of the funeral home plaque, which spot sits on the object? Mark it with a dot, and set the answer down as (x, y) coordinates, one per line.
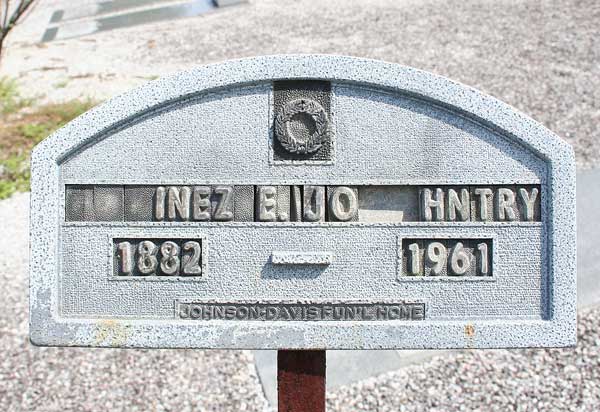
(310, 202)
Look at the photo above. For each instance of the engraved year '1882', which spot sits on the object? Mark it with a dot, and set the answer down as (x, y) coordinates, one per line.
(158, 257)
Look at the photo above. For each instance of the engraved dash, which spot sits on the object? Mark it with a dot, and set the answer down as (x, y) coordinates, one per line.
(301, 258)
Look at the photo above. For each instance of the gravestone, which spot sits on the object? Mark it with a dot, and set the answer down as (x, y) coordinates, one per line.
(303, 202)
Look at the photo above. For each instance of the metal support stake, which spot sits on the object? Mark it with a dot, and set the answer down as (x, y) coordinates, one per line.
(301, 380)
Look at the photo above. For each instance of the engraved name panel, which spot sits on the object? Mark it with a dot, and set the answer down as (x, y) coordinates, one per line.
(306, 203)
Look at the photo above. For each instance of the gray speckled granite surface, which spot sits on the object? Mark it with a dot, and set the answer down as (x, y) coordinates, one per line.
(405, 112)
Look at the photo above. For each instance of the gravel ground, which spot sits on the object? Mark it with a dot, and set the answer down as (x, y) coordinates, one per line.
(542, 56)
(69, 379)
(489, 380)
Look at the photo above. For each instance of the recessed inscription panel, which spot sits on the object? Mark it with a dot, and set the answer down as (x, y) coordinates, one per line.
(294, 262)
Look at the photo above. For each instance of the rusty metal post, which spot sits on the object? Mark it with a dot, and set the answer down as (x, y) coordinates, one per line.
(301, 380)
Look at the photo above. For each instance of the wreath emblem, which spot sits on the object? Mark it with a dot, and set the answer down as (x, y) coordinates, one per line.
(302, 145)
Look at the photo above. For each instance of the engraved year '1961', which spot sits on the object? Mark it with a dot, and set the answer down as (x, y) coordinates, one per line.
(158, 257)
(447, 257)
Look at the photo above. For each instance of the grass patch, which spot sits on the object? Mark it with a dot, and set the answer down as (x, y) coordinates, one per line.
(22, 130)
(14, 175)
(10, 98)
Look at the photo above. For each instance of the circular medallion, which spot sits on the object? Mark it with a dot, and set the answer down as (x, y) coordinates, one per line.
(302, 126)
